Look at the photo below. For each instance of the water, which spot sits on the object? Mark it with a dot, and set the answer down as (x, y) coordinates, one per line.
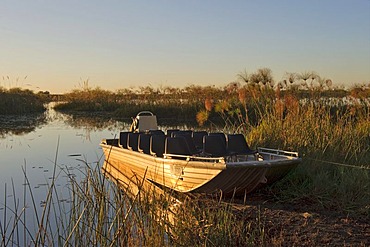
(54, 137)
(32, 146)
(44, 150)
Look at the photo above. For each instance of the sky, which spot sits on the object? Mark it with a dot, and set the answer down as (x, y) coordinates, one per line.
(57, 45)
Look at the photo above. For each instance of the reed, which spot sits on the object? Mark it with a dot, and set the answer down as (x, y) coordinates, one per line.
(20, 101)
(97, 212)
(231, 103)
(127, 103)
(331, 135)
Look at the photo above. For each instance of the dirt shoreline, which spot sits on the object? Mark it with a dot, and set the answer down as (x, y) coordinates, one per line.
(306, 225)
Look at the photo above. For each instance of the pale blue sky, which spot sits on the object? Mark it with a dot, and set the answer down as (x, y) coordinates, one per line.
(118, 44)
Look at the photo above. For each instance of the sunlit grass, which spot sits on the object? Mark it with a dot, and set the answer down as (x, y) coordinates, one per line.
(331, 135)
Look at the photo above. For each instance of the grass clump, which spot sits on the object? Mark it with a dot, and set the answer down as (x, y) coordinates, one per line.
(331, 134)
(20, 101)
(212, 222)
(127, 103)
(100, 213)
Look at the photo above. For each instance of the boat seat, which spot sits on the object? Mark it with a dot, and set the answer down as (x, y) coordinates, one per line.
(237, 144)
(133, 141)
(221, 135)
(181, 132)
(157, 143)
(123, 139)
(189, 141)
(156, 132)
(144, 143)
(214, 146)
(111, 142)
(144, 121)
(198, 138)
(177, 145)
(170, 131)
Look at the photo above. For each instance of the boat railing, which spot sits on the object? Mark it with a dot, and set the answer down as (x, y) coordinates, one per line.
(194, 158)
(277, 153)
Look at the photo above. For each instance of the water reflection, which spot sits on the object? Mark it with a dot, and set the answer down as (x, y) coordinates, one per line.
(163, 203)
(21, 125)
(92, 122)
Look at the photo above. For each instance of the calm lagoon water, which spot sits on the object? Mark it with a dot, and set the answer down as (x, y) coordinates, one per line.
(31, 147)
(54, 137)
(36, 143)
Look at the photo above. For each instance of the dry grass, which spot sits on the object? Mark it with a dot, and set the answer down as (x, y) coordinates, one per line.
(20, 101)
(332, 135)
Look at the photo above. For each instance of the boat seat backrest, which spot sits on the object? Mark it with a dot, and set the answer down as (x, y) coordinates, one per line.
(198, 138)
(123, 139)
(157, 143)
(156, 132)
(237, 144)
(145, 123)
(133, 141)
(170, 131)
(221, 135)
(189, 141)
(176, 145)
(181, 132)
(214, 145)
(144, 143)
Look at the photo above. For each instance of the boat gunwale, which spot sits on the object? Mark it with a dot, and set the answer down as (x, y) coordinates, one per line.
(216, 160)
(178, 162)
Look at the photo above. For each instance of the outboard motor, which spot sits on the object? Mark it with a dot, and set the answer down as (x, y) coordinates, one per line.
(144, 121)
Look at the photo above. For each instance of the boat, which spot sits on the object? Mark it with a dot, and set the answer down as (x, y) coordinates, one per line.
(189, 161)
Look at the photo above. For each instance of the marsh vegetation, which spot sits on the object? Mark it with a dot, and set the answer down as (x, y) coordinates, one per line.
(329, 193)
(20, 101)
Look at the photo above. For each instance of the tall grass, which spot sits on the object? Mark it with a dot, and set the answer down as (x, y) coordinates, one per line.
(165, 102)
(97, 212)
(332, 135)
(100, 213)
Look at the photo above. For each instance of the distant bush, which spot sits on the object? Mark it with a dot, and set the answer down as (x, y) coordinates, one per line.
(20, 101)
(165, 103)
